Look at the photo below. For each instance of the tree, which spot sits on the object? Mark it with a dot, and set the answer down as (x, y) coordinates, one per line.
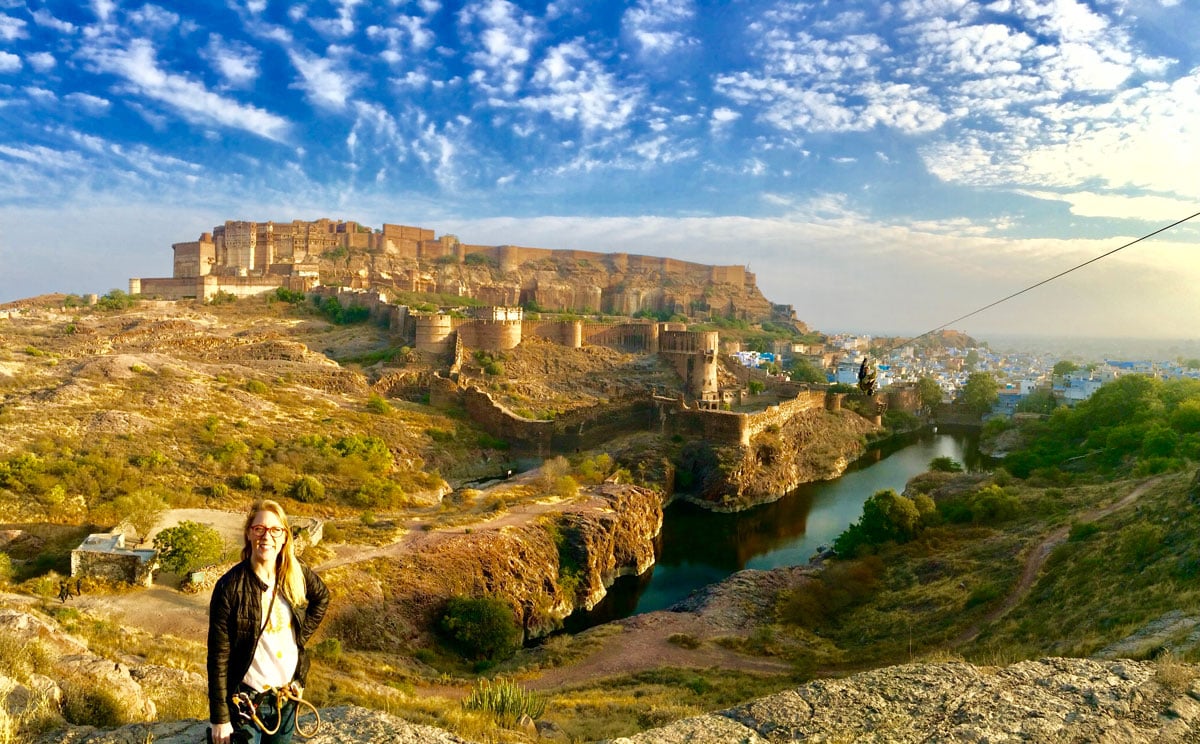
(803, 370)
(980, 393)
(1039, 401)
(188, 546)
(142, 509)
(1065, 367)
(930, 391)
(972, 358)
(481, 628)
(887, 516)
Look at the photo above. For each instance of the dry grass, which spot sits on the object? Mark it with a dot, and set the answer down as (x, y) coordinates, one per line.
(1174, 674)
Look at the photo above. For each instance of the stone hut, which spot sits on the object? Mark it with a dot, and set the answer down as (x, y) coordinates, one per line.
(104, 556)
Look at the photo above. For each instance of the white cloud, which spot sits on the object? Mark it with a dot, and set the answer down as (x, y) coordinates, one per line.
(1122, 206)
(151, 18)
(341, 27)
(9, 62)
(723, 117)
(93, 105)
(325, 81)
(138, 66)
(12, 29)
(576, 88)
(235, 62)
(103, 9)
(1140, 141)
(40, 94)
(659, 26)
(41, 61)
(47, 20)
(501, 38)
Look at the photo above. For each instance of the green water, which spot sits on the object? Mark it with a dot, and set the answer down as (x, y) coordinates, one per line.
(699, 547)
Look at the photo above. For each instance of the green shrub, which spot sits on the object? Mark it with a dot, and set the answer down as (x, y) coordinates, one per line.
(507, 701)
(188, 546)
(377, 404)
(307, 489)
(258, 387)
(1082, 530)
(887, 517)
(328, 650)
(684, 640)
(993, 504)
(248, 482)
(945, 465)
(481, 628)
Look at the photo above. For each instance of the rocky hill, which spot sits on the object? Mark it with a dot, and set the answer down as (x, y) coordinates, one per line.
(1049, 699)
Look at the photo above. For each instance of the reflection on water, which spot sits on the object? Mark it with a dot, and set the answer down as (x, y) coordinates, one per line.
(699, 547)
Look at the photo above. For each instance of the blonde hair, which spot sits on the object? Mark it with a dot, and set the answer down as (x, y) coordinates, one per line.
(287, 568)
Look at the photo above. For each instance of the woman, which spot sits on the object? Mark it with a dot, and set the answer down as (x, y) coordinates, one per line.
(263, 611)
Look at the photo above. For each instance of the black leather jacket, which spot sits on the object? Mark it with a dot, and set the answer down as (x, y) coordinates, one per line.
(234, 619)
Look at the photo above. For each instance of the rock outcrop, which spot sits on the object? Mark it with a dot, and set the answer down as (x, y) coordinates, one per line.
(545, 568)
(810, 446)
(1052, 699)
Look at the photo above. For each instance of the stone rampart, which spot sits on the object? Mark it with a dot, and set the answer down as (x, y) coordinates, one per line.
(579, 429)
(500, 422)
(492, 335)
(567, 333)
(183, 288)
(779, 414)
(627, 336)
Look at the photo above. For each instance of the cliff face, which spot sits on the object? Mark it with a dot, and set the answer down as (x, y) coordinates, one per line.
(545, 568)
(810, 446)
(559, 281)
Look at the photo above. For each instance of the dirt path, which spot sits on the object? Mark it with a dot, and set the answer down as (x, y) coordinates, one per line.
(643, 645)
(1037, 559)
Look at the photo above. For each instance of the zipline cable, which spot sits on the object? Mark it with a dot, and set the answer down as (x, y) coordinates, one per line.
(1177, 223)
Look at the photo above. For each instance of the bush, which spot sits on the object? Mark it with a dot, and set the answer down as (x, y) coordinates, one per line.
(328, 650)
(258, 387)
(188, 546)
(887, 517)
(376, 404)
(945, 465)
(248, 482)
(505, 700)
(307, 489)
(481, 628)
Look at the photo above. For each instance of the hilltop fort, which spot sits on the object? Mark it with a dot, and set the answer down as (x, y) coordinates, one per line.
(243, 258)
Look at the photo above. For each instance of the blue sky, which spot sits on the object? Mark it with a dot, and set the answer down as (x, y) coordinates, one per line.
(884, 167)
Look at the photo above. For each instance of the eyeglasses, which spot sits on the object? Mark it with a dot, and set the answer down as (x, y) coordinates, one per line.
(259, 530)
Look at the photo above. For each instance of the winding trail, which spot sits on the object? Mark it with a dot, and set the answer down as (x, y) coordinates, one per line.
(1037, 558)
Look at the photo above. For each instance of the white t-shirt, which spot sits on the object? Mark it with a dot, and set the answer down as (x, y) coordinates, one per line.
(276, 655)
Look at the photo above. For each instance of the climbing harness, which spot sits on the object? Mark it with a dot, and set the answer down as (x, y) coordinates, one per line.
(247, 704)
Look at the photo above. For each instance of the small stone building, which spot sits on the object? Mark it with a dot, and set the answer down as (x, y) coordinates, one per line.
(104, 556)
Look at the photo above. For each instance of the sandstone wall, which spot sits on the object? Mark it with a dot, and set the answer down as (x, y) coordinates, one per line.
(578, 429)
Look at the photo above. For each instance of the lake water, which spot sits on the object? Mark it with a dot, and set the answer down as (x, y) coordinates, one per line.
(700, 547)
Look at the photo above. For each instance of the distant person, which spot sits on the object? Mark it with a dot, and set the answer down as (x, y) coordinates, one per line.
(64, 592)
(262, 612)
(866, 377)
